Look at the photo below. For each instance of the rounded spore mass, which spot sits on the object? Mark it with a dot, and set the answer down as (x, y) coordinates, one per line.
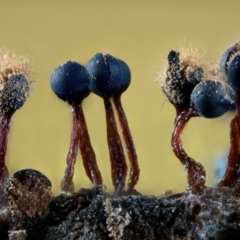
(233, 73)
(70, 82)
(15, 93)
(109, 76)
(180, 80)
(211, 99)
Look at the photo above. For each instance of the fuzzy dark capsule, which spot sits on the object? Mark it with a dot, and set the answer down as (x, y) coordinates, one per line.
(180, 82)
(70, 82)
(12, 97)
(110, 76)
(14, 93)
(211, 99)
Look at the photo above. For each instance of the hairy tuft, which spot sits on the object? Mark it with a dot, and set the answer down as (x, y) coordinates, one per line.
(192, 58)
(11, 64)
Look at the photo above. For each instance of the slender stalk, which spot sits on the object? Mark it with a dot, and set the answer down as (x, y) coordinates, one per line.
(67, 180)
(4, 132)
(132, 155)
(87, 152)
(231, 177)
(195, 171)
(117, 158)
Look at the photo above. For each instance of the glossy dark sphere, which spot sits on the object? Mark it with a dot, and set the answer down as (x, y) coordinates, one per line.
(14, 93)
(233, 73)
(211, 99)
(109, 76)
(70, 82)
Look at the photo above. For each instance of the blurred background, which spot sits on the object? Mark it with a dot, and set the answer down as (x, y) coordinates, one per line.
(139, 32)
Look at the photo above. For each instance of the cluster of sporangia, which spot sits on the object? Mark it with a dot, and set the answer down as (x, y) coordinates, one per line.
(198, 88)
(105, 76)
(195, 88)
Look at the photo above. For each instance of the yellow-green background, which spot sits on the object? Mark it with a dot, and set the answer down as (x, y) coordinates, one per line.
(139, 32)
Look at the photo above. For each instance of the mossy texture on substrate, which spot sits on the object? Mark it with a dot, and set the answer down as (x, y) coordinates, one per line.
(93, 214)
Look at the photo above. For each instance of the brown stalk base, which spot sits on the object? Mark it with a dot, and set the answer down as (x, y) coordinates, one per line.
(232, 174)
(132, 155)
(117, 157)
(87, 152)
(195, 171)
(67, 184)
(80, 138)
(4, 130)
(92, 214)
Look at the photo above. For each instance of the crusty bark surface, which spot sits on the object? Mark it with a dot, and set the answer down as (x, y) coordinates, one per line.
(94, 214)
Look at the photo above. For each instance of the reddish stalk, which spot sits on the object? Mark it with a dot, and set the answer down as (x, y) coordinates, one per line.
(4, 132)
(195, 171)
(117, 158)
(87, 152)
(232, 174)
(80, 137)
(132, 155)
(67, 181)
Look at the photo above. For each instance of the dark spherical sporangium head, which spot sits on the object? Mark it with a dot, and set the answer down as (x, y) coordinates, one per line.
(211, 99)
(109, 76)
(15, 93)
(70, 82)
